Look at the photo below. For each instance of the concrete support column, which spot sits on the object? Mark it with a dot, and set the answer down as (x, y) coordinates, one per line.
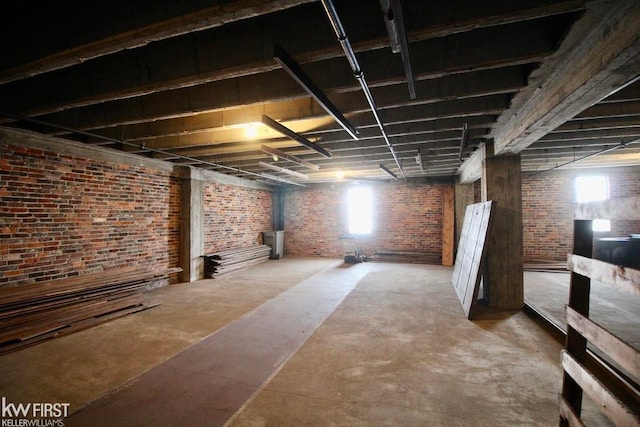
(503, 282)
(278, 209)
(192, 225)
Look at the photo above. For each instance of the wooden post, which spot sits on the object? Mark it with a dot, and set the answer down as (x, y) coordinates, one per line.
(448, 222)
(579, 290)
(463, 197)
(503, 282)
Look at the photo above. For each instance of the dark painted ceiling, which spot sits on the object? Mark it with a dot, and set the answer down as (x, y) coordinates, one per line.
(189, 81)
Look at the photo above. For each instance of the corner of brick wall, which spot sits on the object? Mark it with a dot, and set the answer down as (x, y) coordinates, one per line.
(235, 217)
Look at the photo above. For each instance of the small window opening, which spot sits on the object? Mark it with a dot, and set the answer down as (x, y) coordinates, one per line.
(594, 188)
(360, 210)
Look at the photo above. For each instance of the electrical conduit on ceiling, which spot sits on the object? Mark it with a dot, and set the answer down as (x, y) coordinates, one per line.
(357, 72)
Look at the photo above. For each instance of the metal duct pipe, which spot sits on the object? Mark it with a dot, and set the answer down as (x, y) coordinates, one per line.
(357, 72)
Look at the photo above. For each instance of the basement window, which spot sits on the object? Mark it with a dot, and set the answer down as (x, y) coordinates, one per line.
(360, 210)
(594, 188)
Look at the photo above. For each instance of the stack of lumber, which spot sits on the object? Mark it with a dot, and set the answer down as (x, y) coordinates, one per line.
(388, 255)
(44, 310)
(235, 259)
(546, 266)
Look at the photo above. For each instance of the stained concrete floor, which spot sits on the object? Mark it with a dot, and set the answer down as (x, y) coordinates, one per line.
(395, 349)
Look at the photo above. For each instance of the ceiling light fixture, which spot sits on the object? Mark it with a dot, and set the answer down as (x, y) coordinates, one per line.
(251, 130)
(295, 136)
(385, 169)
(295, 71)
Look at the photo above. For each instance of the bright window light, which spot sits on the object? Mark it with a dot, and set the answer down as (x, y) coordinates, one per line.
(594, 188)
(601, 225)
(360, 210)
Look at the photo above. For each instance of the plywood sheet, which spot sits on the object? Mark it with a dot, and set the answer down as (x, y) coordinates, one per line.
(471, 250)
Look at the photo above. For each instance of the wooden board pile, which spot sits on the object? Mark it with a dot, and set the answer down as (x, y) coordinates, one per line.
(546, 266)
(388, 255)
(33, 313)
(235, 259)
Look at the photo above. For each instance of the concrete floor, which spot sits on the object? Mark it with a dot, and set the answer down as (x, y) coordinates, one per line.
(385, 344)
(617, 311)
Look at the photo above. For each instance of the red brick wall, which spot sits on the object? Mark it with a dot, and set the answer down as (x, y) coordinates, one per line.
(623, 183)
(62, 216)
(235, 217)
(548, 203)
(313, 221)
(405, 217)
(547, 211)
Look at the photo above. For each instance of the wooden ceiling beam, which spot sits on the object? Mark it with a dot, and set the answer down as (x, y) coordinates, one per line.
(396, 130)
(600, 55)
(626, 94)
(598, 124)
(305, 107)
(250, 157)
(277, 86)
(571, 144)
(616, 158)
(136, 26)
(600, 134)
(608, 110)
(370, 140)
(202, 58)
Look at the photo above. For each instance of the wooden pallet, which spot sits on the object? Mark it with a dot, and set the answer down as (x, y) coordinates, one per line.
(616, 395)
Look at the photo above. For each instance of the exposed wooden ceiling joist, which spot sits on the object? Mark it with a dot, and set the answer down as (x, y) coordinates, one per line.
(183, 82)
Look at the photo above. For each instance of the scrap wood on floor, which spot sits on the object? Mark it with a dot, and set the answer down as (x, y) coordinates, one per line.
(415, 257)
(229, 260)
(36, 312)
(546, 266)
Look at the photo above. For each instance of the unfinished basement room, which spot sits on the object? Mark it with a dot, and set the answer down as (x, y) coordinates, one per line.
(320, 213)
